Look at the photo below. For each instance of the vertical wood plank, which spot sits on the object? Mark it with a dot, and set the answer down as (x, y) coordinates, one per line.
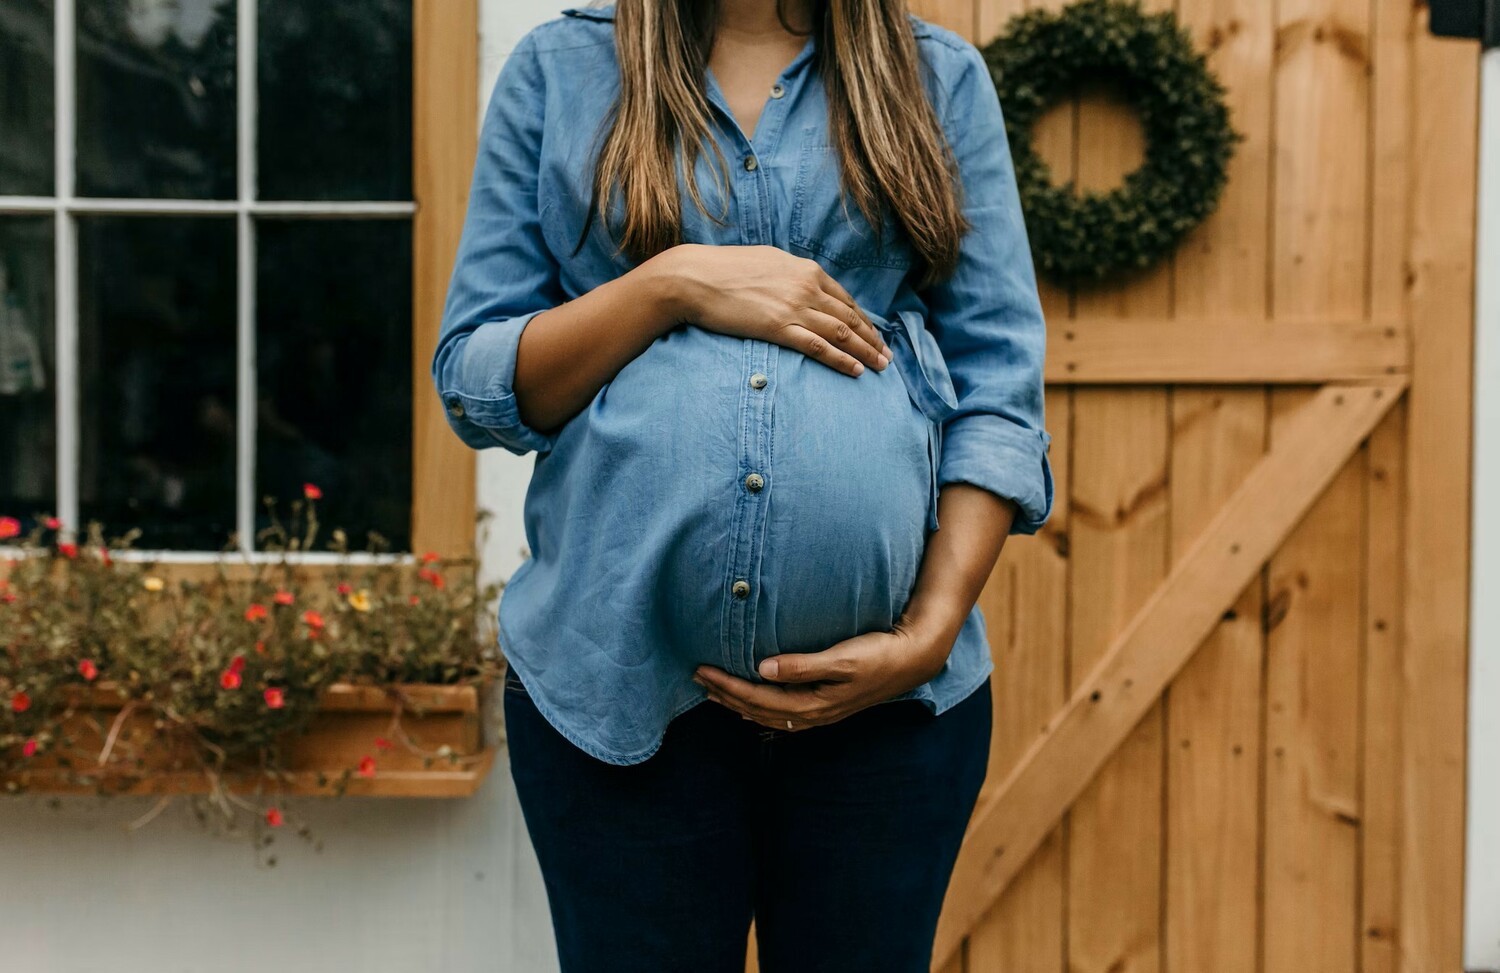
(1121, 537)
(1312, 808)
(1119, 543)
(1381, 776)
(1213, 708)
(1027, 604)
(445, 102)
(1213, 751)
(1439, 425)
(1390, 99)
(1313, 694)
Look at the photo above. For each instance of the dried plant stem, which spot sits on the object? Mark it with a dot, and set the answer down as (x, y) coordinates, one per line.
(114, 731)
(150, 815)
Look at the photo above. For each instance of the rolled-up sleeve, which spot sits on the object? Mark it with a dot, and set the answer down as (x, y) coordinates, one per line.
(504, 274)
(987, 318)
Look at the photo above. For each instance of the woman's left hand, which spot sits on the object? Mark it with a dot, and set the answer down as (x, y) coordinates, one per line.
(817, 688)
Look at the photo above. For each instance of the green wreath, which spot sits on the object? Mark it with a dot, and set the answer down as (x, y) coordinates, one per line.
(1043, 57)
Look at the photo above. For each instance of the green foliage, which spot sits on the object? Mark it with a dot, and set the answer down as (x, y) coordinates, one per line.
(1043, 57)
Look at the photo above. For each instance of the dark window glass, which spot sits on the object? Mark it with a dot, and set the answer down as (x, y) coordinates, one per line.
(156, 98)
(334, 368)
(28, 482)
(26, 98)
(156, 349)
(335, 99)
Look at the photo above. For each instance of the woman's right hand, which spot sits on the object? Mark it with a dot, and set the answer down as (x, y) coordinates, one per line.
(766, 293)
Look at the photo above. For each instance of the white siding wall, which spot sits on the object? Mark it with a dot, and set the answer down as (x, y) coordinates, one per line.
(401, 886)
(1483, 896)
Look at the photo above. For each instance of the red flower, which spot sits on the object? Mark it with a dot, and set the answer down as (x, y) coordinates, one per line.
(68, 550)
(53, 523)
(274, 698)
(431, 577)
(20, 702)
(414, 600)
(9, 527)
(229, 679)
(273, 817)
(311, 491)
(9, 597)
(260, 647)
(429, 557)
(237, 664)
(367, 766)
(312, 618)
(283, 597)
(87, 669)
(381, 743)
(256, 612)
(345, 588)
(29, 747)
(104, 557)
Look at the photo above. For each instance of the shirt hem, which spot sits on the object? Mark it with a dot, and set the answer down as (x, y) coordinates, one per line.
(641, 755)
(618, 759)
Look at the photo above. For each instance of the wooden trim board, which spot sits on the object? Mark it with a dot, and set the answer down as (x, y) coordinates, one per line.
(445, 103)
(1154, 351)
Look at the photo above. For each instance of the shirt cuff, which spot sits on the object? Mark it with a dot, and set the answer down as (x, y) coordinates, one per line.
(481, 403)
(1004, 458)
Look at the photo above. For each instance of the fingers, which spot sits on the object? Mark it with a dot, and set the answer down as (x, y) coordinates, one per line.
(832, 341)
(768, 705)
(866, 343)
(829, 665)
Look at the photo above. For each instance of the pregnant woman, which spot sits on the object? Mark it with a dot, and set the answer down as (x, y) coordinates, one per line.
(750, 279)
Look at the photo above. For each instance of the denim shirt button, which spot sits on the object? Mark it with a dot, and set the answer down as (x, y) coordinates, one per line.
(754, 482)
(456, 409)
(750, 163)
(741, 588)
(757, 381)
(777, 91)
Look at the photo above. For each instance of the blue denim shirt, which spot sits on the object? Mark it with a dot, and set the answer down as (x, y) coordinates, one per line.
(724, 499)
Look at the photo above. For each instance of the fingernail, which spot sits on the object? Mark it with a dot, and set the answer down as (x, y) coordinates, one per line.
(884, 361)
(770, 668)
(859, 367)
(887, 350)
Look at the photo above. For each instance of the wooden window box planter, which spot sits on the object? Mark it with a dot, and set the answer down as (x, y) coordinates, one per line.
(340, 735)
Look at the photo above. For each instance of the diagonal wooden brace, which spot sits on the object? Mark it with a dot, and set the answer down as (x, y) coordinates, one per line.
(1142, 660)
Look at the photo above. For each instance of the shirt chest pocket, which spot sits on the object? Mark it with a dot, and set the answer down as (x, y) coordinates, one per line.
(825, 224)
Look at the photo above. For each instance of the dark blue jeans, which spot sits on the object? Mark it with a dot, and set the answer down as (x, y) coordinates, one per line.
(838, 839)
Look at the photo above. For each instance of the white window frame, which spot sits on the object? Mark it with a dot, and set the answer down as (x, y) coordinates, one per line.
(66, 207)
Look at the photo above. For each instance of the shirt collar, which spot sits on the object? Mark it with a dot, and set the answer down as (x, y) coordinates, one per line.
(919, 27)
(606, 12)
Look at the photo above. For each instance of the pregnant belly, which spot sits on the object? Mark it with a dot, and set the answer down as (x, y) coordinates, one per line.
(847, 516)
(661, 455)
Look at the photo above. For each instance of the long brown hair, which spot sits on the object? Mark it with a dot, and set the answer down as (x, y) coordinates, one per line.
(887, 135)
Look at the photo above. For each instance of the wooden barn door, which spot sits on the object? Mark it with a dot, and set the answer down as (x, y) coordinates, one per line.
(1230, 672)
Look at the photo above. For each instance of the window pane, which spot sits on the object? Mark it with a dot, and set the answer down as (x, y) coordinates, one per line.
(26, 98)
(335, 99)
(156, 355)
(27, 424)
(156, 98)
(334, 363)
